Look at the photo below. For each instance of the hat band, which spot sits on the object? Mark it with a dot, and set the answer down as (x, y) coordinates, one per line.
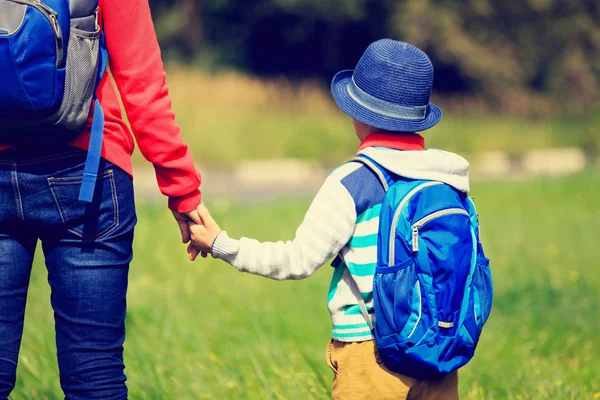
(383, 107)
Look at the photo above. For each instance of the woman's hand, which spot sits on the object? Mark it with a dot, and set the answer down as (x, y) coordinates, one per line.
(202, 235)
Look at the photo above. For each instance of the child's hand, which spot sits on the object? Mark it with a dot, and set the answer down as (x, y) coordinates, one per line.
(203, 236)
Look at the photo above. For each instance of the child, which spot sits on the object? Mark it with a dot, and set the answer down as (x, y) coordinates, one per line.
(387, 95)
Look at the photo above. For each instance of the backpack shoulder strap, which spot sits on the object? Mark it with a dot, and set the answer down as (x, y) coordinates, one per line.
(386, 180)
(361, 303)
(92, 162)
(381, 173)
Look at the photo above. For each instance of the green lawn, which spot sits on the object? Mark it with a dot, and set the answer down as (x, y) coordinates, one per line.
(205, 331)
(220, 138)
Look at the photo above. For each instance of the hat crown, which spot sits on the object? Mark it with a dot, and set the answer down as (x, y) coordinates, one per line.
(395, 72)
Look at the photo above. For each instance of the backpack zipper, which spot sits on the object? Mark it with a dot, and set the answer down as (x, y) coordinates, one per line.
(51, 16)
(392, 252)
(417, 225)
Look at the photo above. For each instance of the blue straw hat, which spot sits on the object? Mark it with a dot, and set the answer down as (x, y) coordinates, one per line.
(389, 89)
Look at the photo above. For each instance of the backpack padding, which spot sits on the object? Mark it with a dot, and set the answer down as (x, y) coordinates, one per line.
(82, 8)
(11, 17)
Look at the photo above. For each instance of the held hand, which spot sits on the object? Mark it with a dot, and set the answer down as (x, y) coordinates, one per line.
(203, 235)
(182, 220)
(193, 253)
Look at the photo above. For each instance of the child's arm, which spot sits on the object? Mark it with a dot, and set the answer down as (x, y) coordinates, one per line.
(327, 227)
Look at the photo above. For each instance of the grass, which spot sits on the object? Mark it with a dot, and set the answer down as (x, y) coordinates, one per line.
(206, 331)
(228, 117)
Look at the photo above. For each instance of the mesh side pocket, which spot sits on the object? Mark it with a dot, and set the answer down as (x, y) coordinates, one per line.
(383, 300)
(403, 290)
(81, 74)
(482, 281)
(392, 292)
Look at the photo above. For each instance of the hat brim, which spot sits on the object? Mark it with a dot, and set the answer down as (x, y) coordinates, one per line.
(339, 90)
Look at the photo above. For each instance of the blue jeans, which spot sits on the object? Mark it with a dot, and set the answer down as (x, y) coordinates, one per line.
(87, 247)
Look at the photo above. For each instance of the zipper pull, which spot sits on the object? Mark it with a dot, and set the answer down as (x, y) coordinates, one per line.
(415, 239)
(56, 26)
(60, 63)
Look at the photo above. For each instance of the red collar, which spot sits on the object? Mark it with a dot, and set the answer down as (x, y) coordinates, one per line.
(397, 141)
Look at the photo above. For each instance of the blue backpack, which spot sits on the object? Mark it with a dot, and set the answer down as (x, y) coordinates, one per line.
(432, 289)
(52, 57)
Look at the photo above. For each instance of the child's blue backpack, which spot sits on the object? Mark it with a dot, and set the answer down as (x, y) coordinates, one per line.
(52, 56)
(432, 289)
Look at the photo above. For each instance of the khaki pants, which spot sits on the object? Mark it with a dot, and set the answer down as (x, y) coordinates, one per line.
(360, 374)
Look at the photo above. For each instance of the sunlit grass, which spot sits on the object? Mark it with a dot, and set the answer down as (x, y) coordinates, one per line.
(206, 331)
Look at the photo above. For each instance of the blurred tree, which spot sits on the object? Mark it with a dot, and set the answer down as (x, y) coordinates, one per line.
(507, 49)
(523, 56)
(299, 38)
(179, 27)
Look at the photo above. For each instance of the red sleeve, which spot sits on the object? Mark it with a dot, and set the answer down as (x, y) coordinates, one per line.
(136, 65)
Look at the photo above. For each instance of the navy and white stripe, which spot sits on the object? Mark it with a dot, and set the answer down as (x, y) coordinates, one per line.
(358, 258)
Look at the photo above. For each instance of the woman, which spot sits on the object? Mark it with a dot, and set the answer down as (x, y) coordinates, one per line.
(88, 247)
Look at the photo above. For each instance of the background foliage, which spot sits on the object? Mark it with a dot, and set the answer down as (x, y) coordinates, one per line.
(529, 57)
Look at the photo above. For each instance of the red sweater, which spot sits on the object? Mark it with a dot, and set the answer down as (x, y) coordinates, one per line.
(136, 66)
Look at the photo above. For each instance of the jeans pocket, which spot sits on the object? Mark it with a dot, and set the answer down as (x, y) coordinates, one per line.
(87, 220)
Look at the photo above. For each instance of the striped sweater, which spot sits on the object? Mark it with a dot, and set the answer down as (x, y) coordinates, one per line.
(342, 220)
